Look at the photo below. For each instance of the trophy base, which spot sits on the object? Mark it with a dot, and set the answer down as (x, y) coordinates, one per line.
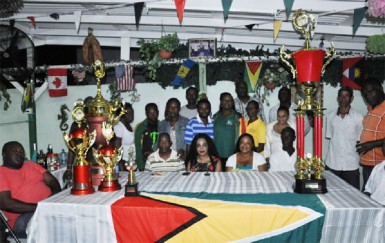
(97, 174)
(131, 190)
(109, 186)
(82, 180)
(312, 186)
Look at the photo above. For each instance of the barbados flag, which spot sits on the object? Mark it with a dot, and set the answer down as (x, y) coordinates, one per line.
(251, 75)
(182, 73)
(353, 72)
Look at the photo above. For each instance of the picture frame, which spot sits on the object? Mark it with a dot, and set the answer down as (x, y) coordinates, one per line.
(202, 47)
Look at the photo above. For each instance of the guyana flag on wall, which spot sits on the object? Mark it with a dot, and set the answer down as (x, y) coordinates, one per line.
(251, 74)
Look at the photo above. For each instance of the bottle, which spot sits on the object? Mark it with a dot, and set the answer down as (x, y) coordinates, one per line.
(48, 156)
(41, 158)
(63, 158)
(34, 153)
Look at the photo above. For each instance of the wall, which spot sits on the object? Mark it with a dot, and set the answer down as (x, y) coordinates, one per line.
(14, 124)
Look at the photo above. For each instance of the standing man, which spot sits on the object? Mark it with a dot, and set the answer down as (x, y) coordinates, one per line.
(22, 186)
(243, 99)
(343, 128)
(373, 133)
(202, 123)
(190, 110)
(146, 135)
(284, 97)
(165, 159)
(175, 125)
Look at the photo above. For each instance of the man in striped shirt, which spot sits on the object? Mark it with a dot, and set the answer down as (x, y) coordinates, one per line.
(164, 159)
(202, 123)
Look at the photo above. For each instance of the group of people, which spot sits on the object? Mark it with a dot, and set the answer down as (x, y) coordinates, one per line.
(235, 138)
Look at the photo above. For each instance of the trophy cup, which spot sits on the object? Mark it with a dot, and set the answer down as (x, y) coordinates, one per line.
(98, 111)
(308, 69)
(107, 156)
(131, 187)
(79, 142)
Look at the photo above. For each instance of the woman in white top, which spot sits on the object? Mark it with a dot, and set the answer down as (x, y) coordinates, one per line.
(246, 159)
(273, 147)
(124, 135)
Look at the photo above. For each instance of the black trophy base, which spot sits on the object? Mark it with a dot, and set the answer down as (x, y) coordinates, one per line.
(312, 186)
(131, 190)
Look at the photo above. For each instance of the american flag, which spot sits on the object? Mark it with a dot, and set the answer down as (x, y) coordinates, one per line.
(124, 77)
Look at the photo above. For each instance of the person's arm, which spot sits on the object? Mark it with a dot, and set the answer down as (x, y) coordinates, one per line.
(188, 166)
(260, 147)
(262, 167)
(363, 148)
(181, 154)
(51, 182)
(12, 205)
(138, 146)
(219, 166)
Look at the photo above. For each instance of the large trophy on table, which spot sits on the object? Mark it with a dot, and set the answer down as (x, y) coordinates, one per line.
(107, 156)
(97, 112)
(80, 141)
(308, 68)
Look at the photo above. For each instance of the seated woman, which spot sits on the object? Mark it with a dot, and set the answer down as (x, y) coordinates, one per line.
(273, 133)
(283, 158)
(164, 159)
(203, 155)
(246, 157)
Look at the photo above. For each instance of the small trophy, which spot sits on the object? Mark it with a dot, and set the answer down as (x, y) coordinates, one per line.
(79, 142)
(131, 187)
(308, 179)
(107, 157)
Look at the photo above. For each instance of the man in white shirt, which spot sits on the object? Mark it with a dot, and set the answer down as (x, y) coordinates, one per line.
(284, 97)
(376, 184)
(343, 128)
(190, 110)
(243, 99)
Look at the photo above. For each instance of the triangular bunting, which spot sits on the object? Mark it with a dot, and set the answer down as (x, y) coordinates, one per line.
(179, 4)
(359, 14)
(251, 76)
(32, 21)
(138, 7)
(78, 17)
(277, 27)
(226, 4)
(288, 6)
(352, 72)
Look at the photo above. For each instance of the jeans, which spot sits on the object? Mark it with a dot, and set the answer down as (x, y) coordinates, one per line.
(21, 225)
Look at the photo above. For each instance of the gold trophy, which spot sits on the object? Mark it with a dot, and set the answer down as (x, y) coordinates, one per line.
(107, 157)
(131, 187)
(308, 68)
(79, 141)
(100, 110)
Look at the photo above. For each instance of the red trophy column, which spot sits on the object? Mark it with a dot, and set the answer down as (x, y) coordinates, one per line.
(300, 134)
(318, 134)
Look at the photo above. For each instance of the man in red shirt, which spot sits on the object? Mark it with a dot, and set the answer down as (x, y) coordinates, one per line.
(22, 186)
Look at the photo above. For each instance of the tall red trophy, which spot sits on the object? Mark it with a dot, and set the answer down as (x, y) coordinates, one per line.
(80, 141)
(308, 69)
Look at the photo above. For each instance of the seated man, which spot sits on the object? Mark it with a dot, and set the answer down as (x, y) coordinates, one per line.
(22, 186)
(376, 184)
(164, 159)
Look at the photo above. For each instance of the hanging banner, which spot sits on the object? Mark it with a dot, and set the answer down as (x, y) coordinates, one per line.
(138, 7)
(358, 16)
(179, 4)
(288, 6)
(352, 72)
(277, 24)
(226, 4)
(57, 82)
(182, 73)
(202, 78)
(124, 78)
(251, 75)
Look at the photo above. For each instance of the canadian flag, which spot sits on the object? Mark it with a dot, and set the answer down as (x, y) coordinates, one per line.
(57, 82)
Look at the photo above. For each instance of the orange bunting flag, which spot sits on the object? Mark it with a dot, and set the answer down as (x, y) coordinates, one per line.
(277, 27)
(179, 4)
(33, 22)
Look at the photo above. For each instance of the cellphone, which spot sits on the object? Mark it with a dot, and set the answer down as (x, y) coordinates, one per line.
(186, 173)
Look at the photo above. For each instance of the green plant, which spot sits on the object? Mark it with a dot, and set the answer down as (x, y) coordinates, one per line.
(148, 52)
(168, 42)
(376, 44)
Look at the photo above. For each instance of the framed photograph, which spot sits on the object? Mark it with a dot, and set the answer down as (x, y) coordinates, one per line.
(202, 47)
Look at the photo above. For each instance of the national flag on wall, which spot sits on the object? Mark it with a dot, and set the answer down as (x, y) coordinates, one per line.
(353, 72)
(27, 99)
(252, 71)
(124, 78)
(182, 72)
(57, 82)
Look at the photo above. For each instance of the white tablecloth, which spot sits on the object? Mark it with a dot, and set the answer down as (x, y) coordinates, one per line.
(350, 215)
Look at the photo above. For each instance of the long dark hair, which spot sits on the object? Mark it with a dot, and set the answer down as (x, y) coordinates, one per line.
(193, 155)
(239, 142)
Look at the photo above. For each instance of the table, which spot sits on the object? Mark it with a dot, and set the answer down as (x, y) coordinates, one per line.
(350, 216)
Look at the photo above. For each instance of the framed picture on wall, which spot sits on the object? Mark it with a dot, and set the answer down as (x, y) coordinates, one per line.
(202, 47)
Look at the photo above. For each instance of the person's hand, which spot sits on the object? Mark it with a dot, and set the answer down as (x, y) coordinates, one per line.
(67, 175)
(363, 148)
(181, 154)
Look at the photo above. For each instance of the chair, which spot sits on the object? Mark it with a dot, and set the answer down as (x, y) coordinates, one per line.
(6, 230)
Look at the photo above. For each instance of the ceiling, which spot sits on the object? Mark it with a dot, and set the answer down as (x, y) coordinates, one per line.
(113, 22)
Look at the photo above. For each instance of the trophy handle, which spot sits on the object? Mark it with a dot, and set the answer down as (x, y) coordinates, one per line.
(119, 153)
(67, 140)
(285, 58)
(329, 57)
